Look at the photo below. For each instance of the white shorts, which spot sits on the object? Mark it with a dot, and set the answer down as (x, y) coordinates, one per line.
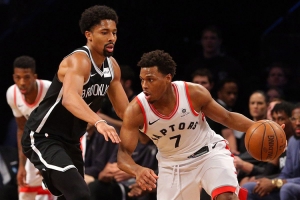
(34, 190)
(32, 176)
(214, 171)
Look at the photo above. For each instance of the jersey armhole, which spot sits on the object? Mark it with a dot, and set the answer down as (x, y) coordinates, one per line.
(189, 100)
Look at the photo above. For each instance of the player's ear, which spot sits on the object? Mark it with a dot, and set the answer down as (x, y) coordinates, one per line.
(35, 76)
(169, 77)
(88, 35)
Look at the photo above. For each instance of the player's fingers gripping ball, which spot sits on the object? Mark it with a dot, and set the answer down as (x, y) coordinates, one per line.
(265, 140)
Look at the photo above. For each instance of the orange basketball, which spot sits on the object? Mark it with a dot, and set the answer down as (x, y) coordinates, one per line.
(265, 140)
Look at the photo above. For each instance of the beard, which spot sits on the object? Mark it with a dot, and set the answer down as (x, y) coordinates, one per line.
(107, 53)
(297, 137)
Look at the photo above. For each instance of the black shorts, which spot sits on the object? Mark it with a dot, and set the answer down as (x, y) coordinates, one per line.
(48, 153)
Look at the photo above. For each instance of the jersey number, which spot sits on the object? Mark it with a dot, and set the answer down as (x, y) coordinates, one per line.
(177, 137)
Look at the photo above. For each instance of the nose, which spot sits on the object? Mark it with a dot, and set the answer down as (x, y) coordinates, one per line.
(22, 81)
(112, 37)
(144, 84)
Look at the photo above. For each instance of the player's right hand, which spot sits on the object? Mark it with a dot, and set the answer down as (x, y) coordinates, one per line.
(21, 176)
(108, 132)
(146, 178)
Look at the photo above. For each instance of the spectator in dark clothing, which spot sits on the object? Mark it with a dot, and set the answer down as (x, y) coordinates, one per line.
(285, 186)
(97, 153)
(114, 183)
(212, 58)
(8, 173)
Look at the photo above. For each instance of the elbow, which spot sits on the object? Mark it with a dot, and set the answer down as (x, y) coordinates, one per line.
(66, 102)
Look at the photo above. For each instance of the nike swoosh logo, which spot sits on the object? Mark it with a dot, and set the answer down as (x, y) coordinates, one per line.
(20, 105)
(150, 123)
(93, 74)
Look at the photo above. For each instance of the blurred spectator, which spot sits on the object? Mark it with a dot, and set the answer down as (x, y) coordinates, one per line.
(274, 93)
(8, 173)
(211, 57)
(257, 106)
(97, 152)
(279, 76)
(271, 105)
(113, 183)
(227, 93)
(285, 186)
(203, 77)
(281, 114)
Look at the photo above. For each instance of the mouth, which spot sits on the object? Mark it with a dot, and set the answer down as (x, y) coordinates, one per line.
(22, 90)
(147, 95)
(109, 47)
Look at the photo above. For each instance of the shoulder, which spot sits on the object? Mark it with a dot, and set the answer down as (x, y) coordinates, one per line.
(134, 109)
(10, 92)
(45, 82)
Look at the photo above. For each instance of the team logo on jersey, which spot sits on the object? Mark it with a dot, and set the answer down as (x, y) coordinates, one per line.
(150, 123)
(106, 72)
(184, 113)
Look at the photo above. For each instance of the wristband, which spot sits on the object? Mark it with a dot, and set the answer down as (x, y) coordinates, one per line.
(97, 122)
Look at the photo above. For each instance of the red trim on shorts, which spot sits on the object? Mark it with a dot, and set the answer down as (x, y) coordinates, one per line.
(221, 190)
(175, 108)
(38, 189)
(144, 114)
(243, 194)
(189, 100)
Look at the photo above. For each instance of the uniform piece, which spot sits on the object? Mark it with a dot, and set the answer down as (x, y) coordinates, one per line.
(51, 139)
(21, 108)
(187, 145)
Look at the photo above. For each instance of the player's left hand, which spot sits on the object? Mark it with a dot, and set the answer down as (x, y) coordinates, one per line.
(263, 187)
(108, 132)
(146, 178)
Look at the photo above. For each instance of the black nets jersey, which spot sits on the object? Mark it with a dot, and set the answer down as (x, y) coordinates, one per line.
(53, 118)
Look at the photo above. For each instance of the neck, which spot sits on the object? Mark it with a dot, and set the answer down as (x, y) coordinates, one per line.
(31, 96)
(98, 58)
(166, 104)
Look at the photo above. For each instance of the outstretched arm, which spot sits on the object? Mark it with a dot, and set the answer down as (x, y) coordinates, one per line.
(202, 101)
(73, 72)
(133, 119)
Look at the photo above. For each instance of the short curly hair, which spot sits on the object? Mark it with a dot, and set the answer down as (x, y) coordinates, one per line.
(24, 62)
(163, 61)
(93, 15)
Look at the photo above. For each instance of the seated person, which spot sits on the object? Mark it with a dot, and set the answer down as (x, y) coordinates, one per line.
(8, 173)
(113, 183)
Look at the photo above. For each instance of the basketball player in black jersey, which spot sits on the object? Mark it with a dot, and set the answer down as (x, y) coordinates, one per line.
(51, 138)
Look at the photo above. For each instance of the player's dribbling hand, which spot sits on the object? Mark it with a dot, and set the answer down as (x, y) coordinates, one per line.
(146, 178)
(108, 132)
(21, 177)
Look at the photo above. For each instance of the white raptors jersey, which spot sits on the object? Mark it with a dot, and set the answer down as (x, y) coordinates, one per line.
(16, 100)
(181, 133)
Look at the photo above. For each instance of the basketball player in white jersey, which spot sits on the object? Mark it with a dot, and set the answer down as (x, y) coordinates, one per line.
(23, 97)
(190, 153)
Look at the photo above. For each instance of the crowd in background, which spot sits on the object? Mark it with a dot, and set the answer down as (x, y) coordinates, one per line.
(270, 92)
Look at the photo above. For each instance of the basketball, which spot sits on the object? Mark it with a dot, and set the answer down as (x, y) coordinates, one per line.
(265, 140)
